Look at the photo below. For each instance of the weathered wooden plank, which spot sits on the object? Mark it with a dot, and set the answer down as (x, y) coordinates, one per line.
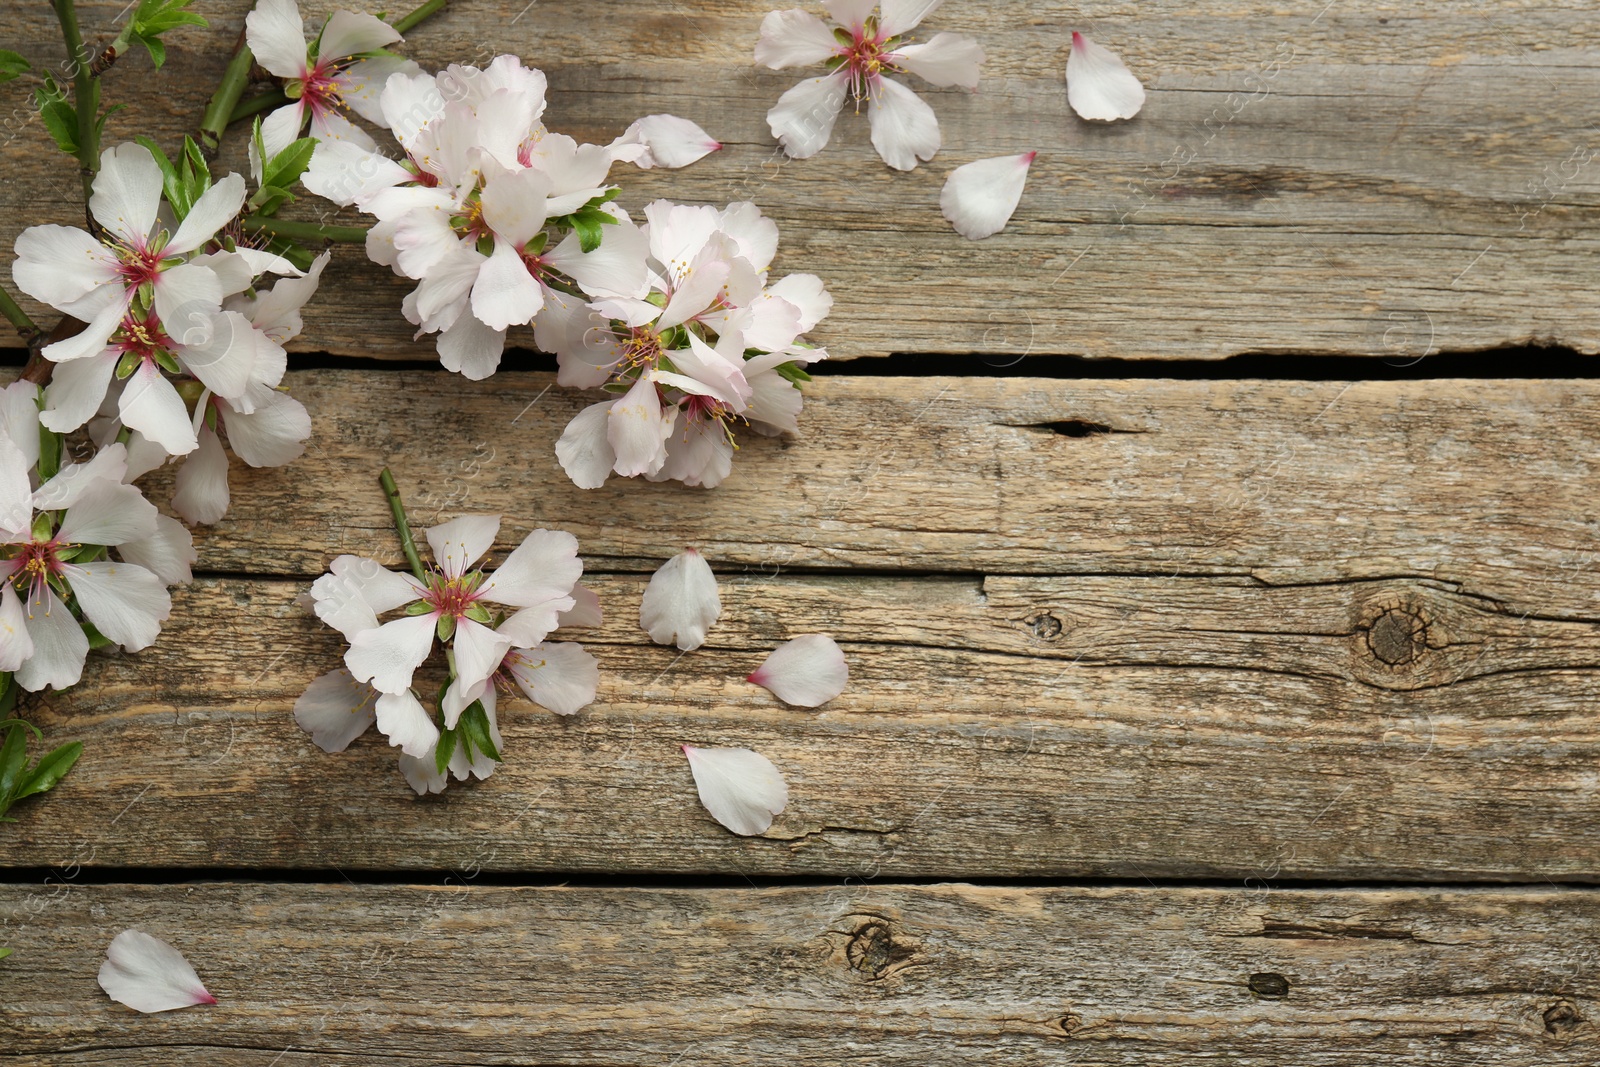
(368, 975)
(1175, 727)
(1359, 177)
(1482, 488)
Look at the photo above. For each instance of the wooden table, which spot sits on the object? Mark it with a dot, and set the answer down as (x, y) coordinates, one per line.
(1198, 714)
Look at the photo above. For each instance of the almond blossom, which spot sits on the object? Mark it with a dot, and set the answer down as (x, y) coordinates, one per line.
(342, 70)
(1099, 85)
(861, 49)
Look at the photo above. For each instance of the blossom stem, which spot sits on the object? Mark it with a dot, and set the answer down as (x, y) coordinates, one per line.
(219, 112)
(85, 94)
(19, 318)
(407, 23)
(408, 544)
(257, 104)
(304, 231)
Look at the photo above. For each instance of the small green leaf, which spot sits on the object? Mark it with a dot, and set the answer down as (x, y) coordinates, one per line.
(418, 607)
(168, 362)
(42, 526)
(96, 638)
(475, 721)
(589, 232)
(268, 199)
(50, 770)
(127, 364)
(156, 17)
(49, 451)
(153, 45)
(285, 168)
(60, 120)
(480, 614)
(4, 952)
(11, 65)
(13, 758)
(446, 749)
(447, 627)
(792, 372)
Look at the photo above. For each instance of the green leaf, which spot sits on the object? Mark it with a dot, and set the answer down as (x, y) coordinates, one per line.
(589, 232)
(168, 362)
(96, 638)
(13, 758)
(418, 607)
(4, 952)
(479, 613)
(11, 65)
(171, 183)
(127, 364)
(158, 16)
(153, 45)
(285, 168)
(475, 721)
(60, 120)
(50, 770)
(49, 452)
(100, 123)
(268, 199)
(793, 372)
(446, 628)
(446, 749)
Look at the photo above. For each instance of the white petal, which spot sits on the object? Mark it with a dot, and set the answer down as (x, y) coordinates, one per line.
(478, 652)
(108, 514)
(347, 174)
(168, 553)
(347, 34)
(16, 490)
(979, 198)
(471, 349)
(680, 604)
(806, 292)
(272, 435)
(277, 36)
(638, 430)
(478, 765)
(505, 294)
(335, 710)
(202, 482)
(147, 974)
(15, 644)
(672, 142)
(461, 542)
(59, 646)
(356, 591)
(585, 612)
(1099, 85)
(19, 417)
(362, 81)
(388, 656)
(902, 15)
(560, 677)
(807, 672)
(513, 205)
(851, 14)
(68, 486)
(186, 290)
(802, 119)
(127, 192)
(741, 789)
(151, 405)
(216, 208)
(541, 570)
(904, 128)
(405, 722)
(124, 601)
(948, 59)
(93, 338)
(282, 128)
(60, 264)
(422, 773)
(584, 449)
(794, 39)
(698, 453)
(220, 350)
(616, 267)
(458, 699)
(698, 290)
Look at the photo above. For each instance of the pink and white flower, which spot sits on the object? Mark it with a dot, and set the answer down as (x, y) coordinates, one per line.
(862, 49)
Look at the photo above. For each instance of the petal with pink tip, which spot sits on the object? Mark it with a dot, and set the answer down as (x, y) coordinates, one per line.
(808, 671)
(740, 788)
(1099, 85)
(979, 198)
(149, 975)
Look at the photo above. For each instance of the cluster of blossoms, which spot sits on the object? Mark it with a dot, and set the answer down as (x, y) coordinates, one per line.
(85, 559)
(491, 627)
(182, 348)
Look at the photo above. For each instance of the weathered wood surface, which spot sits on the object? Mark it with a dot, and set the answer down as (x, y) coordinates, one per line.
(857, 974)
(1356, 177)
(1172, 727)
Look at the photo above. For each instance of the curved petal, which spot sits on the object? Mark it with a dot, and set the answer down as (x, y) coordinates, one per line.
(168, 553)
(802, 119)
(187, 290)
(899, 16)
(504, 293)
(794, 39)
(1099, 85)
(806, 292)
(93, 338)
(740, 788)
(559, 677)
(335, 710)
(76, 391)
(698, 453)
(405, 722)
(670, 141)
(356, 590)
(904, 128)
(513, 205)
(216, 208)
(15, 644)
(478, 652)
(388, 656)
(127, 192)
(681, 603)
(471, 349)
(422, 773)
(59, 264)
(542, 569)
(202, 482)
(124, 601)
(948, 59)
(277, 35)
(584, 449)
(808, 671)
(851, 14)
(979, 198)
(220, 350)
(282, 128)
(148, 975)
(108, 513)
(461, 542)
(362, 81)
(638, 429)
(59, 646)
(585, 612)
(616, 267)
(110, 464)
(16, 492)
(272, 435)
(347, 33)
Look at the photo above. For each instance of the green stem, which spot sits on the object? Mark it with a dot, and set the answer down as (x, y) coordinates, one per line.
(85, 94)
(408, 544)
(257, 104)
(407, 23)
(304, 231)
(19, 318)
(219, 112)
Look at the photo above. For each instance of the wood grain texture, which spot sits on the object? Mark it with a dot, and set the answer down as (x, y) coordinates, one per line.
(931, 976)
(1358, 177)
(1172, 727)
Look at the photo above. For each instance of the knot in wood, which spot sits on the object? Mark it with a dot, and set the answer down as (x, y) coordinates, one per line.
(873, 951)
(1044, 625)
(1398, 636)
(1269, 986)
(1070, 1023)
(1562, 1017)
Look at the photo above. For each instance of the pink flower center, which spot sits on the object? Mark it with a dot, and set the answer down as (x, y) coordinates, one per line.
(453, 597)
(33, 566)
(143, 337)
(139, 265)
(320, 91)
(641, 348)
(866, 59)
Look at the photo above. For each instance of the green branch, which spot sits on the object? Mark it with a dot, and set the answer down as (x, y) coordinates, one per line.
(219, 112)
(304, 231)
(408, 543)
(85, 94)
(407, 23)
(257, 104)
(19, 318)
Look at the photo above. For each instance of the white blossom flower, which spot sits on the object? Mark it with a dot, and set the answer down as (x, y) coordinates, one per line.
(863, 49)
(1099, 85)
(343, 69)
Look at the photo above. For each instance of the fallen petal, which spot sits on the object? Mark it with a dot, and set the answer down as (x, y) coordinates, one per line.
(1099, 85)
(147, 974)
(741, 789)
(807, 672)
(979, 198)
(681, 602)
